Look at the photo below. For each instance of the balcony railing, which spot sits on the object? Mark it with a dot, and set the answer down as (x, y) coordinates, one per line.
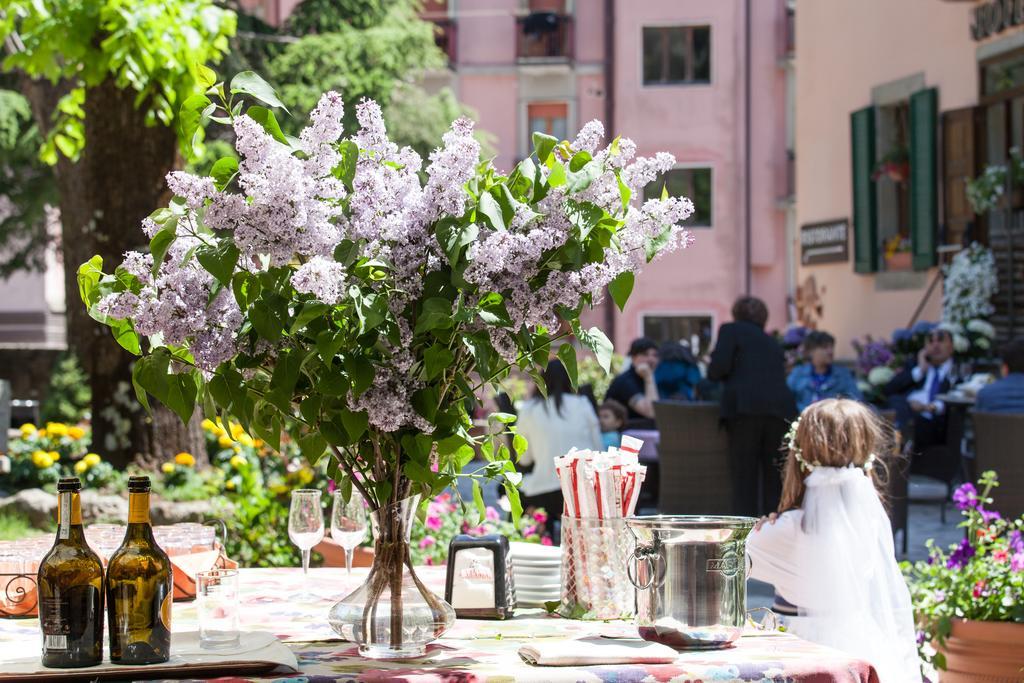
(544, 37)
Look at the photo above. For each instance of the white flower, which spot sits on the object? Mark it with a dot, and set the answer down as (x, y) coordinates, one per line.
(961, 344)
(981, 327)
(983, 343)
(880, 375)
(970, 282)
(864, 386)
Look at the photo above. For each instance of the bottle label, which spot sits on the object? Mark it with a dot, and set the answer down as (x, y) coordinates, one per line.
(138, 508)
(165, 610)
(52, 642)
(65, 515)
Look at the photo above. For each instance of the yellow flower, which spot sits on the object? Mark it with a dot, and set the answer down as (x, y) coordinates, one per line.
(225, 441)
(185, 459)
(57, 429)
(54, 456)
(28, 429)
(305, 475)
(81, 466)
(76, 432)
(257, 443)
(91, 459)
(229, 485)
(246, 441)
(208, 424)
(278, 489)
(41, 459)
(41, 433)
(236, 430)
(167, 467)
(238, 461)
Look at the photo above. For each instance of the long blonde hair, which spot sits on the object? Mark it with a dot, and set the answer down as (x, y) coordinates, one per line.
(835, 432)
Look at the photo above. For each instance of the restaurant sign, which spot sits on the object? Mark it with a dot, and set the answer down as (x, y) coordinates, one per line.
(996, 16)
(825, 242)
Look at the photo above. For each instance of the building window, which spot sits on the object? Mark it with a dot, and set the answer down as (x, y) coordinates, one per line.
(892, 180)
(694, 183)
(677, 54)
(692, 331)
(550, 118)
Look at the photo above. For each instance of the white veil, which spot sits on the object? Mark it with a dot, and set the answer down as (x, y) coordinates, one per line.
(857, 600)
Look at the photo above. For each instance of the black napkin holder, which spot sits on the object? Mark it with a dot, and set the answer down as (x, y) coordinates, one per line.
(479, 582)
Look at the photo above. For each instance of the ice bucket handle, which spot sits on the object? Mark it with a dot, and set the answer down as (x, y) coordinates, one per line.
(650, 556)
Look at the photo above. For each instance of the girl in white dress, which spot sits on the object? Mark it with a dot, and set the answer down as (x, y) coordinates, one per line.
(830, 549)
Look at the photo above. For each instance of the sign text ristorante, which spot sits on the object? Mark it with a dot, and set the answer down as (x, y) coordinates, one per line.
(990, 18)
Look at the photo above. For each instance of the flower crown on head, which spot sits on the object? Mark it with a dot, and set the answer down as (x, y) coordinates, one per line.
(809, 466)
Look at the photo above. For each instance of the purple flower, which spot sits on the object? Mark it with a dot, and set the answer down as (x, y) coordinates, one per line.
(959, 557)
(1016, 541)
(989, 516)
(966, 497)
(1017, 562)
(794, 336)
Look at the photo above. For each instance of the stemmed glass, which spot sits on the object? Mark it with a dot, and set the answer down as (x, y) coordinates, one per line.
(305, 523)
(348, 523)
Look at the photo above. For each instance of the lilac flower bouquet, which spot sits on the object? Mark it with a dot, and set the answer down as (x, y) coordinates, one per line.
(344, 290)
(980, 578)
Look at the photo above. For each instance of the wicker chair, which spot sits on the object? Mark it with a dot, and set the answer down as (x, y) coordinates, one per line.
(998, 440)
(693, 455)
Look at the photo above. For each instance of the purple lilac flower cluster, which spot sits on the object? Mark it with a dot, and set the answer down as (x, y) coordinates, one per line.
(294, 209)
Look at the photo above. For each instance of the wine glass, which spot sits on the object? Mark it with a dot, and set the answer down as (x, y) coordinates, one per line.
(305, 523)
(348, 523)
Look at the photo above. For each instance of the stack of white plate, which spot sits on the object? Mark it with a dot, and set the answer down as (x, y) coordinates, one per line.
(537, 572)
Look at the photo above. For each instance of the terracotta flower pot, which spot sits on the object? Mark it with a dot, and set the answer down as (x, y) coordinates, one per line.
(334, 554)
(901, 260)
(990, 651)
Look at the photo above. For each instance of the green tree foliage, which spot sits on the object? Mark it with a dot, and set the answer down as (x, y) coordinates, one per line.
(329, 16)
(68, 396)
(154, 48)
(26, 187)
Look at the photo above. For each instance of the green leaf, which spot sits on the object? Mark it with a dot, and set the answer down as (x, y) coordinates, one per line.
(567, 354)
(621, 287)
(250, 83)
(140, 391)
(286, 371)
(346, 252)
(453, 236)
(335, 433)
(595, 340)
(190, 121)
(266, 323)
(513, 498)
(503, 418)
(436, 359)
(224, 169)
(425, 401)
(519, 445)
(579, 160)
(160, 243)
(311, 310)
(328, 343)
(89, 274)
(266, 118)
(310, 408)
(418, 473)
(478, 499)
(345, 171)
(246, 288)
(543, 145)
(360, 371)
(491, 211)
(312, 445)
(219, 261)
(355, 423)
(436, 314)
(557, 176)
(205, 76)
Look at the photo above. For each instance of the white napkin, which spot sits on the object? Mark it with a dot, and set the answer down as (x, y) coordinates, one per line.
(585, 651)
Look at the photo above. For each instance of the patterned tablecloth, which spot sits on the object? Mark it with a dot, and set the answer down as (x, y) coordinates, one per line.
(477, 650)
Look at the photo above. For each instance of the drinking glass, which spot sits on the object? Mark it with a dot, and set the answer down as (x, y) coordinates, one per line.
(305, 523)
(217, 608)
(348, 523)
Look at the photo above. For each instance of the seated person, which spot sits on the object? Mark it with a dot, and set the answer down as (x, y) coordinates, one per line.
(1007, 394)
(677, 374)
(612, 416)
(635, 387)
(819, 378)
(931, 375)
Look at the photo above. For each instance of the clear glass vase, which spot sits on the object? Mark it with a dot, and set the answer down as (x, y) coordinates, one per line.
(393, 615)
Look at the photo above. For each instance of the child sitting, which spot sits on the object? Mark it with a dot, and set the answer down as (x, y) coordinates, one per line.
(612, 416)
(830, 549)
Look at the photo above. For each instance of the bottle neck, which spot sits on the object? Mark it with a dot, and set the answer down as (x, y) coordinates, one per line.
(138, 517)
(69, 517)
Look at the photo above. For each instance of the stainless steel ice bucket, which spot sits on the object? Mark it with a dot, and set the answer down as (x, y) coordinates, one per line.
(691, 578)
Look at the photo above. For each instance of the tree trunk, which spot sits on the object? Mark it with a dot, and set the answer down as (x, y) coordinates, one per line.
(117, 181)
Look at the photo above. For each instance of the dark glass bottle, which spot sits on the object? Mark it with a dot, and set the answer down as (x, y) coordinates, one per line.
(139, 588)
(70, 584)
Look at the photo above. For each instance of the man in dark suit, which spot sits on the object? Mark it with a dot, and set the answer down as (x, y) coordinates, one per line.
(920, 383)
(1007, 394)
(757, 406)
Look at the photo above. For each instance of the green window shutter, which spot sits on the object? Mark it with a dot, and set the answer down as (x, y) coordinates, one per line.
(924, 204)
(865, 214)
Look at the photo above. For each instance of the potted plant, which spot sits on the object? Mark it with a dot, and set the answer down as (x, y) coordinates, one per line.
(336, 289)
(897, 253)
(969, 601)
(894, 164)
